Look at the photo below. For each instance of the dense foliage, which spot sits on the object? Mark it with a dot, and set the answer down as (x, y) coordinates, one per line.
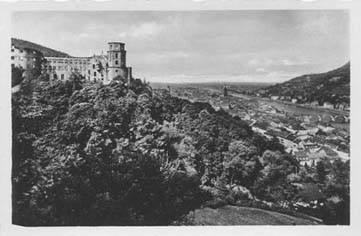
(92, 154)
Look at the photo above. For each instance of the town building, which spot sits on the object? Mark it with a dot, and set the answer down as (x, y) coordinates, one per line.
(314, 103)
(328, 105)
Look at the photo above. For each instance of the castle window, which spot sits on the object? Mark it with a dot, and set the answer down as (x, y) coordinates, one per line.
(12, 49)
(95, 73)
(116, 70)
(62, 76)
(93, 66)
(116, 62)
(12, 57)
(116, 55)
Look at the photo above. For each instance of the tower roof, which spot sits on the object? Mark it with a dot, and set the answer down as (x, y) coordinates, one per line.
(116, 43)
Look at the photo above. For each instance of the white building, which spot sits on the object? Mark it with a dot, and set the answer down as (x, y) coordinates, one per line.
(328, 105)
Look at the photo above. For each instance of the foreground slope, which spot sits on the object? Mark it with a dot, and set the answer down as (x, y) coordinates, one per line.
(234, 215)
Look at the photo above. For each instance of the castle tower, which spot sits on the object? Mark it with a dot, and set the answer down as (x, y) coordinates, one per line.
(117, 61)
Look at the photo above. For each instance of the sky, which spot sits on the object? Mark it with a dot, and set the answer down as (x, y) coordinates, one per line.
(200, 46)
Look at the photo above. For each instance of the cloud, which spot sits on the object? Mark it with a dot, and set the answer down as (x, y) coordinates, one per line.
(84, 35)
(276, 62)
(320, 23)
(261, 62)
(145, 29)
(168, 55)
(261, 69)
(288, 62)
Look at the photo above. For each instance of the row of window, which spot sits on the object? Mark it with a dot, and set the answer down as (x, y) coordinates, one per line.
(62, 77)
(95, 73)
(67, 61)
(21, 51)
(64, 68)
(116, 47)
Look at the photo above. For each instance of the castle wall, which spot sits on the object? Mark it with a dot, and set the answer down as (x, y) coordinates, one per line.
(98, 68)
(62, 67)
(25, 58)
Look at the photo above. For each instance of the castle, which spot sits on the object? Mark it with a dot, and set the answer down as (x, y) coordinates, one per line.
(97, 68)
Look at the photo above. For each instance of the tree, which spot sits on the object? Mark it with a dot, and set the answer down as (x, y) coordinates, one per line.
(272, 183)
(16, 76)
(241, 164)
(93, 155)
(321, 172)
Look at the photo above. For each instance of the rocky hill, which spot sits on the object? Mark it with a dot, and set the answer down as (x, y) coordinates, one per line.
(47, 52)
(332, 86)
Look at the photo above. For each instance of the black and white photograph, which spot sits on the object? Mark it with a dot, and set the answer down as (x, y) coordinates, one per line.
(180, 118)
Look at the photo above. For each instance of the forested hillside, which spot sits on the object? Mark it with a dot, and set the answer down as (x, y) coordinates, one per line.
(47, 52)
(332, 87)
(92, 154)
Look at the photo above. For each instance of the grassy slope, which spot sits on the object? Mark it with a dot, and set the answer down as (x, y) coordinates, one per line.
(47, 52)
(233, 215)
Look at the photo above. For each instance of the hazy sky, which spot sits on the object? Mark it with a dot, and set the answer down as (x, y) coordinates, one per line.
(200, 46)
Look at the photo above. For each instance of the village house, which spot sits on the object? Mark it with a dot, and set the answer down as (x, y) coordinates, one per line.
(314, 103)
(328, 105)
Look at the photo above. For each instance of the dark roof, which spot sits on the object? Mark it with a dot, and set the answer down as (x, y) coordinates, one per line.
(116, 43)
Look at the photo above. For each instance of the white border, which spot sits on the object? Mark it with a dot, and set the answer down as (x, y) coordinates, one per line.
(6, 228)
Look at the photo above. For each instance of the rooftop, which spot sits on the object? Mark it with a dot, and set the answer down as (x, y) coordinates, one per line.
(116, 43)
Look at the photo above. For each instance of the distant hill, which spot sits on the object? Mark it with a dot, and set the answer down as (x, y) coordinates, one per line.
(332, 86)
(47, 52)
